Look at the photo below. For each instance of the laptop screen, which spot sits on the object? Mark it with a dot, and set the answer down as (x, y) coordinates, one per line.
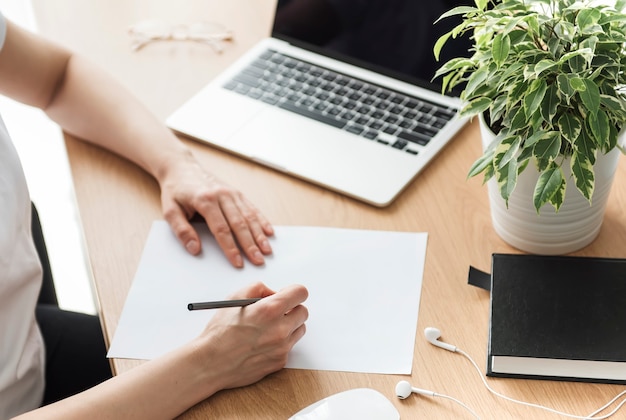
(392, 37)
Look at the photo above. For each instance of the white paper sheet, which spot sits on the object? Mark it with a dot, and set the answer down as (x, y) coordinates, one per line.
(364, 293)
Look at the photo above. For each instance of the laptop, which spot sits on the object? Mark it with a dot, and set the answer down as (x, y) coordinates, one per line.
(338, 97)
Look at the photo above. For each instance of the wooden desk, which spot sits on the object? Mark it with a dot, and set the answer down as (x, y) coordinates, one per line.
(118, 203)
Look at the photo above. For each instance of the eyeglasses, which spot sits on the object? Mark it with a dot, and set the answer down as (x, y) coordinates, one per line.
(213, 34)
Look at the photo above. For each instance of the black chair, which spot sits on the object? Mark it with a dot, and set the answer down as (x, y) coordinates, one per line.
(47, 294)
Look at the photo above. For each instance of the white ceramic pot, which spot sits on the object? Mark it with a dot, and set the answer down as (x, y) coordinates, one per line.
(574, 226)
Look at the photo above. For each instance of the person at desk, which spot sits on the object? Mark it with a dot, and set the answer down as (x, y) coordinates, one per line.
(237, 347)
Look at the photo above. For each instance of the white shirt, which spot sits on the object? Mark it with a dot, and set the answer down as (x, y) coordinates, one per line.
(21, 346)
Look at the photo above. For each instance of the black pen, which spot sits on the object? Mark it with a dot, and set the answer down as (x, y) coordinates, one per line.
(221, 304)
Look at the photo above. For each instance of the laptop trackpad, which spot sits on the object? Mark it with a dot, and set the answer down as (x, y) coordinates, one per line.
(290, 142)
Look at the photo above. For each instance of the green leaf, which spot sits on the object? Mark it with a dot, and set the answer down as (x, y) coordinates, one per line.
(500, 48)
(506, 177)
(557, 199)
(582, 170)
(440, 43)
(590, 96)
(587, 18)
(481, 4)
(446, 82)
(533, 24)
(544, 65)
(461, 10)
(613, 139)
(506, 150)
(454, 64)
(476, 80)
(519, 118)
(481, 164)
(536, 136)
(584, 146)
(546, 150)
(534, 97)
(577, 84)
(512, 24)
(475, 107)
(599, 126)
(524, 157)
(497, 107)
(551, 183)
(565, 87)
(577, 58)
(570, 126)
(612, 104)
(590, 43)
(550, 103)
(489, 172)
(577, 63)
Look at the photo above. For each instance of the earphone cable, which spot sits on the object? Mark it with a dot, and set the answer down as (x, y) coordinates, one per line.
(460, 403)
(589, 417)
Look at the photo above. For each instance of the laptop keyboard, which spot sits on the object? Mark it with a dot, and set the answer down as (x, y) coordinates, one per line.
(373, 112)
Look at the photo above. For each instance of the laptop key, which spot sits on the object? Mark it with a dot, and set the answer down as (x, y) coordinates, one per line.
(333, 110)
(255, 94)
(311, 114)
(230, 85)
(376, 125)
(267, 54)
(370, 90)
(369, 100)
(354, 128)
(350, 104)
(378, 115)
(406, 123)
(243, 89)
(253, 71)
(425, 119)
(427, 132)
(320, 106)
(444, 114)
(400, 144)
(270, 99)
(411, 103)
(439, 123)
(362, 120)
(390, 129)
(397, 99)
(370, 135)
(410, 114)
(414, 138)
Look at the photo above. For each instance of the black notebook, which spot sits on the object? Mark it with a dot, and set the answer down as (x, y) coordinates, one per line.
(559, 318)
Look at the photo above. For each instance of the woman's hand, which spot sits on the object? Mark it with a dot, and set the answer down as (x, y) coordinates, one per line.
(188, 189)
(253, 341)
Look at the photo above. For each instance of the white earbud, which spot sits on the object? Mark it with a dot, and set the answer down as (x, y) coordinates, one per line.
(432, 334)
(404, 390)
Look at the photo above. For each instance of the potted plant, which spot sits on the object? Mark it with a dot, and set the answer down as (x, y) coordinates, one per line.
(547, 78)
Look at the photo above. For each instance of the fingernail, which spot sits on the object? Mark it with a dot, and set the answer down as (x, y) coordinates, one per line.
(238, 261)
(265, 246)
(192, 246)
(258, 257)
